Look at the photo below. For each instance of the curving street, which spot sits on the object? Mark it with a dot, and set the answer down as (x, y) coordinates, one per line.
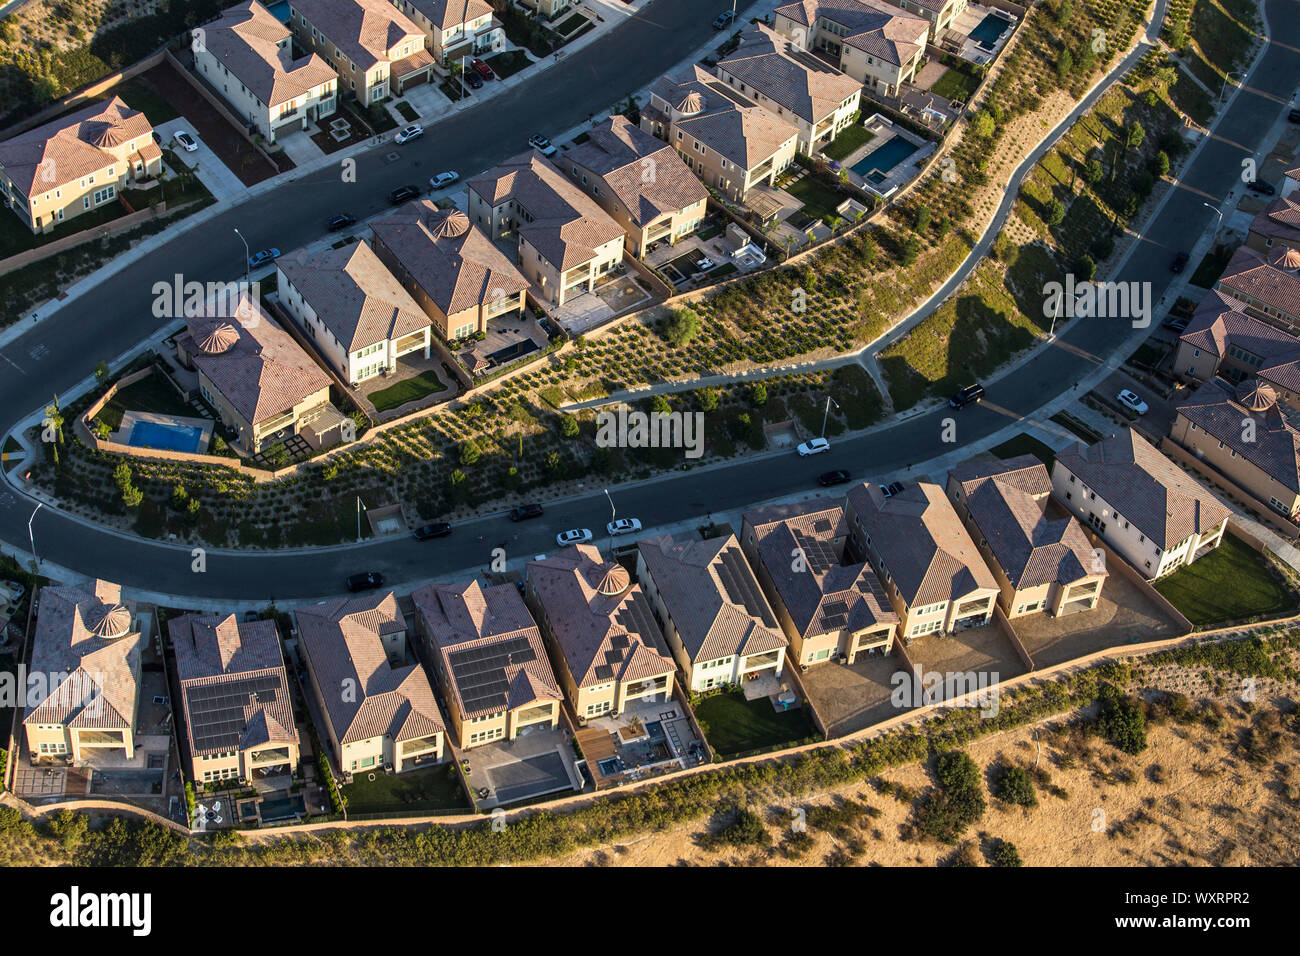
(63, 349)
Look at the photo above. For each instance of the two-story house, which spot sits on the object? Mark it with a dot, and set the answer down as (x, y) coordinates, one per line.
(1276, 225)
(247, 57)
(456, 28)
(1223, 339)
(375, 49)
(716, 620)
(1147, 509)
(874, 42)
(1267, 282)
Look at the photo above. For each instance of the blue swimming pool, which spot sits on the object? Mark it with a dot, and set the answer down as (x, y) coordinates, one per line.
(167, 437)
(990, 28)
(283, 808)
(883, 158)
(279, 10)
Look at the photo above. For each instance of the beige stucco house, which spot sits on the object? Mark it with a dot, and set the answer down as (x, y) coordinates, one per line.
(375, 49)
(247, 56)
(234, 697)
(379, 711)
(490, 660)
(76, 163)
(874, 42)
(456, 28)
(1037, 551)
(1277, 225)
(830, 606)
(1223, 339)
(606, 647)
(83, 691)
(1267, 282)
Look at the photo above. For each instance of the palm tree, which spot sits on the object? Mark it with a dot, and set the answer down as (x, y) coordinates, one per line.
(54, 421)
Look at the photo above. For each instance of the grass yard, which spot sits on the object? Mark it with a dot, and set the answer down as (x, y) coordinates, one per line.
(407, 390)
(955, 85)
(1212, 266)
(150, 394)
(1231, 583)
(734, 725)
(819, 200)
(141, 96)
(508, 63)
(1025, 444)
(849, 139)
(407, 110)
(434, 788)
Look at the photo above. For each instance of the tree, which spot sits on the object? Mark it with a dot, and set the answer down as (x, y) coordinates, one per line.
(1086, 268)
(708, 399)
(1121, 720)
(1160, 164)
(1014, 785)
(1094, 172)
(1054, 213)
(758, 394)
(660, 405)
(911, 249)
(984, 125)
(923, 217)
(569, 426)
(469, 452)
(54, 424)
(681, 327)
(101, 372)
(1064, 64)
(1133, 136)
(1006, 854)
(1178, 34)
(132, 496)
(1063, 13)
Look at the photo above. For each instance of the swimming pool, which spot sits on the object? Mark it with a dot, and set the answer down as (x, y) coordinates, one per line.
(282, 808)
(989, 29)
(279, 10)
(883, 158)
(167, 437)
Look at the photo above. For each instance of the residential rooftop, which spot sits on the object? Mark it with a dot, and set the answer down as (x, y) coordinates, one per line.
(1271, 278)
(876, 28)
(256, 48)
(807, 86)
(363, 30)
(1221, 410)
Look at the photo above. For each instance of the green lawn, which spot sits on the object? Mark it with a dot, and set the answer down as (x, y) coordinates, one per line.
(849, 139)
(734, 725)
(819, 200)
(434, 788)
(1212, 266)
(407, 390)
(407, 110)
(1026, 444)
(508, 63)
(955, 85)
(150, 394)
(140, 96)
(1228, 584)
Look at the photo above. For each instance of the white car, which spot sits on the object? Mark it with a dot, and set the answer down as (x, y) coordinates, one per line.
(542, 145)
(814, 446)
(444, 179)
(1131, 401)
(623, 526)
(185, 141)
(573, 536)
(414, 131)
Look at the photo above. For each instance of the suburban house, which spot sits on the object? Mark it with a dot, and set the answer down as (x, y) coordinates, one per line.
(374, 48)
(639, 181)
(874, 42)
(353, 308)
(940, 13)
(87, 649)
(730, 142)
(716, 620)
(1267, 282)
(606, 647)
(76, 163)
(830, 606)
(235, 697)
(1277, 224)
(794, 84)
(548, 9)
(1223, 339)
(258, 380)
(932, 572)
(453, 271)
(1037, 551)
(379, 712)
(1245, 433)
(456, 28)
(1151, 512)
(490, 660)
(247, 57)
(564, 242)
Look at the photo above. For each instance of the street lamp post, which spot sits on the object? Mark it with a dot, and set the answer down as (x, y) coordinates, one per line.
(1224, 87)
(31, 537)
(1218, 212)
(248, 278)
(1051, 333)
(826, 414)
(360, 508)
(613, 513)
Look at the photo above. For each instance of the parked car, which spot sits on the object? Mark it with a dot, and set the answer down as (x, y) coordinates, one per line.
(573, 536)
(414, 131)
(439, 529)
(185, 141)
(482, 69)
(473, 80)
(813, 446)
(837, 477)
(524, 512)
(623, 526)
(1294, 116)
(341, 221)
(1263, 189)
(367, 581)
(1131, 401)
(1179, 263)
(1177, 323)
(262, 257)
(967, 396)
(542, 145)
(443, 179)
(723, 20)
(403, 194)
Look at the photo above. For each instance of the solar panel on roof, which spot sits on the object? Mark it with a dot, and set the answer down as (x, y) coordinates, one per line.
(480, 672)
(742, 587)
(823, 525)
(834, 621)
(613, 657)
(216, 711)
(619, 640)
(837, 607)
(604, 671)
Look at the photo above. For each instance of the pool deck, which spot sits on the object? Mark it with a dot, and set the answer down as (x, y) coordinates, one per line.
(897, 175)
(969, 20)
(129, 419)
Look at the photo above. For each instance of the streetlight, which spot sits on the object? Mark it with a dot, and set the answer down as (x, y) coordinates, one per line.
(31, 537)
(826, 414)
(1224, 87)
(1051, 333)
(613, 513)
(248, 279)
(1218, 212)
(360, 508)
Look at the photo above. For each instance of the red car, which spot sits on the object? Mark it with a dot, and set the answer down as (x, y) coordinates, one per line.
(482, 69)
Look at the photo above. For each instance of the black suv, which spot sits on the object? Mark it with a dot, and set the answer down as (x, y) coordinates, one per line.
(524, 512)
(341, 221)
(439, 529)
(967, 396)
(1179, 263)
(403, 194)
(365, 582)
(837, 477)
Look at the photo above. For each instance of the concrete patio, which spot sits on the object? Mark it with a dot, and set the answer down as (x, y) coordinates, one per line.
(537, 762)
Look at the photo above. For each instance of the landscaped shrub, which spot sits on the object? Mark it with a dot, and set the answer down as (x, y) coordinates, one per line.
(1013, 784)
(1121, 721)
(745, 829)
(946, 812)
(1006, 854)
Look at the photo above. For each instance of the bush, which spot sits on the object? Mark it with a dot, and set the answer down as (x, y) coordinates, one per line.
(681, 327)
(945, 814)
(745, 829)
(1014, 785)
(1006, 854)
(1121, 721)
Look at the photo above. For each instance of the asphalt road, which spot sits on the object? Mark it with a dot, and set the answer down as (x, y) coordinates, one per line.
(70, 343)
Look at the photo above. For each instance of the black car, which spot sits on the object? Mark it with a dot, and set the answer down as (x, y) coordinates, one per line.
(341, 221)
(474, 80)
(837, 477)
(439, 529)
(365, 582)
(723, 20)
(1177, 323)
(1294, 116)
(967, 396)
(403, 194)
(1263, 189)
(524, 512)
(1179, 263)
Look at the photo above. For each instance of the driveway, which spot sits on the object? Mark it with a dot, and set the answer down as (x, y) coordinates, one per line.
(221, 182)
(1162, 411)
